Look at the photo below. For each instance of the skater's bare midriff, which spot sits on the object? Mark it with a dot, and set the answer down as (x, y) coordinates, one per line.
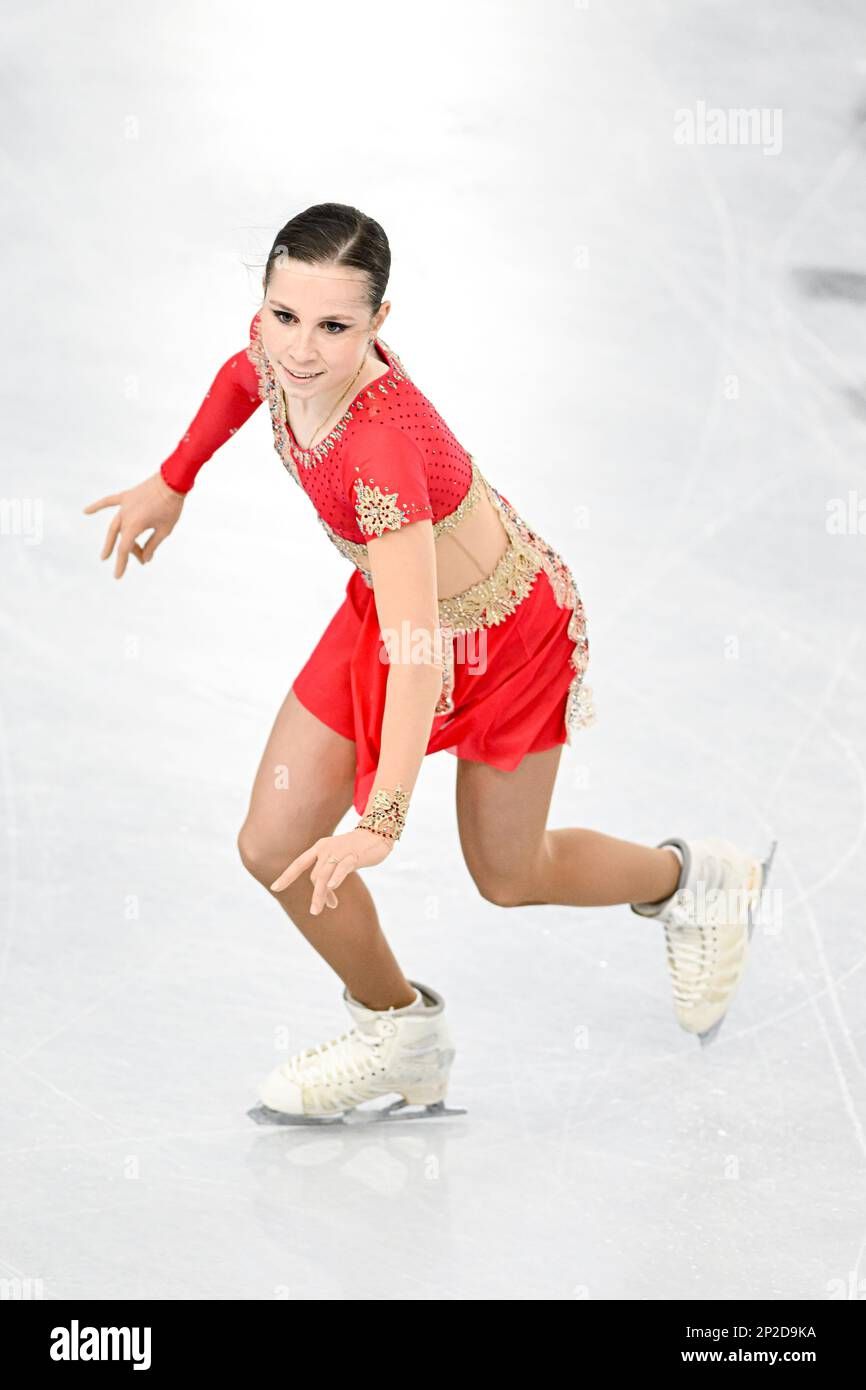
(471, 550)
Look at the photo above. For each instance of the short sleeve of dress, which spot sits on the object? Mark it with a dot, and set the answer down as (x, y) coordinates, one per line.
(385, 480)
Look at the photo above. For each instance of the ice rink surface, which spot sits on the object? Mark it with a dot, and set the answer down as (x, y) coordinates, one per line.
(654, 347)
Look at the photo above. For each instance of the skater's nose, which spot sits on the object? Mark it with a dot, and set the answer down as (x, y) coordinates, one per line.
(301, 351)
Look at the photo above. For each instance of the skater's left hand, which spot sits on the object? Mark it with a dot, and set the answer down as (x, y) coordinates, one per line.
(357, 849)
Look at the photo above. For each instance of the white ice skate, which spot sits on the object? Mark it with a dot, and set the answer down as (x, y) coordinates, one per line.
(407, 1051)
(708, 922)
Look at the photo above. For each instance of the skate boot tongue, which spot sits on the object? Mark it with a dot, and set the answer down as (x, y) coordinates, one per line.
(365, 1019)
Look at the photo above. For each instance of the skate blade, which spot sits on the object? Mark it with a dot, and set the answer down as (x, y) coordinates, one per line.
(711, 1034)
(264, 1115)
(766, 865)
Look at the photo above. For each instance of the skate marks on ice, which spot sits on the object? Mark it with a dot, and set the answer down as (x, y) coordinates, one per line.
(766, 864)
(359, 1115)
(848, 286)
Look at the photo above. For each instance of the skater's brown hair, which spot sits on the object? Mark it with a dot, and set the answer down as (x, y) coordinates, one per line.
(334, 233)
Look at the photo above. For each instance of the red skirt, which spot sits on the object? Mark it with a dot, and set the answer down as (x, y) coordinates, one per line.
(510, 689)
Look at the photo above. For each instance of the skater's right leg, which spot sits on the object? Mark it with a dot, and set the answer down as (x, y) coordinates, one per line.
(302, 790)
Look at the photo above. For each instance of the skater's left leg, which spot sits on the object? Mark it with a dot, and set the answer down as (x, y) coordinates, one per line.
(515, 861)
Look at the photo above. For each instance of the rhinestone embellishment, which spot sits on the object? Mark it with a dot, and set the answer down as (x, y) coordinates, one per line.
(484, 604)
(378, 511)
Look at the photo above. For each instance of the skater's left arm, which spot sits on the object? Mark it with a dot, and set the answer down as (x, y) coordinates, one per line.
(384, 474)
(396, 522)
(403, 570)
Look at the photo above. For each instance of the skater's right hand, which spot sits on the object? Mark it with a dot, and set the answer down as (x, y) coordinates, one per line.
(151, 504)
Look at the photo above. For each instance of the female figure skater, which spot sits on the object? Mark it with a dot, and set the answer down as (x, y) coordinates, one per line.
(461, 629)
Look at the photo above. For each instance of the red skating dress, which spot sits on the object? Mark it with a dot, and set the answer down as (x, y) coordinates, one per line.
(515, 644)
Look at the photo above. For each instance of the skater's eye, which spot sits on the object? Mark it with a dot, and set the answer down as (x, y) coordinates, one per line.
(283, 314)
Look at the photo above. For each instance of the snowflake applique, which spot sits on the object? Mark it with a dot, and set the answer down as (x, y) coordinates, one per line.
(377, 511)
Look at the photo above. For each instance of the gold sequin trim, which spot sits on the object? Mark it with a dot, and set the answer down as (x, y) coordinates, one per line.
(493, 599)
(378, 511)
(467, 502)
(485, 604)
(580, 712)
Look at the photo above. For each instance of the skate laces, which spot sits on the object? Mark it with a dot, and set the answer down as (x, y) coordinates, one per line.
(692, 951)
(703, 951)
(337, 1063)
(692, 945)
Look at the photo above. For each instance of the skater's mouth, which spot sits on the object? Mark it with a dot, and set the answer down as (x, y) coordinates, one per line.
(301, 376)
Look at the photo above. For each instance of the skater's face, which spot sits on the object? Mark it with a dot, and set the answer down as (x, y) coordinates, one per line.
(317, 319)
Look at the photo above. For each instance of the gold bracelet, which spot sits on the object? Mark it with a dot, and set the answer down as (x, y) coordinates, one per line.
(386, 814)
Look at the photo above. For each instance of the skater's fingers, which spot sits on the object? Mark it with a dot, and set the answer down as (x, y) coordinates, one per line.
(127, 543)
(111, 537)
(296, 867)
(159, 534)
(329, 875)
(334, 874)
(337, 872)
(332, 899)
(112, 501)
(320, 890)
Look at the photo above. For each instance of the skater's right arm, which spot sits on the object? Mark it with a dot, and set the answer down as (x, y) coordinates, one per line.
(157, 502)
(232, 398)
